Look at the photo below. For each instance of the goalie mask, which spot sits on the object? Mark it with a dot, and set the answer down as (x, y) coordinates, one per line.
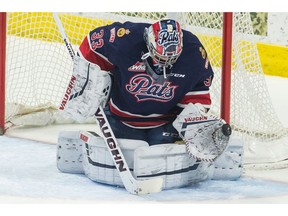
(164, 43)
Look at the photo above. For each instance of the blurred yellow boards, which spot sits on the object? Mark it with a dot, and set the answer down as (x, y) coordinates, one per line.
(41, 25)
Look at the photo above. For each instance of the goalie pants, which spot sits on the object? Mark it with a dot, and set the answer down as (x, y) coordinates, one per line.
(153, 136)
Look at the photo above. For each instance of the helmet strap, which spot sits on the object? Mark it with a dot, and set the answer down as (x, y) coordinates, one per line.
(145, 56)
(158, 78)
(164, 73)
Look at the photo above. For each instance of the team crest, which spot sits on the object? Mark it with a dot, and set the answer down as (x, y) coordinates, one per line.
(203, 52)
(122, 31)
(143, 88)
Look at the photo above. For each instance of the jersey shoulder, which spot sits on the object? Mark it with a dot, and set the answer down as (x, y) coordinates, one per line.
(193, 46)
(118, 31)
(191, 39)
(118, 40)
(194, 54)
(130, 32)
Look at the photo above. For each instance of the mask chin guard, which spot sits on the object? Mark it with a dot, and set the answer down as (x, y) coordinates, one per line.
(158, 78)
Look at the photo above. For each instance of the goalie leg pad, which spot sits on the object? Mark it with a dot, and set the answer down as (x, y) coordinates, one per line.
(90, 155)
(82, 152)
(172, 162)
(69, 152)
(178, 169)
(229, 166)
(97, 162)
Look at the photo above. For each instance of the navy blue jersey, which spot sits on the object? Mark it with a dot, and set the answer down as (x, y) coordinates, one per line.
(136, 99)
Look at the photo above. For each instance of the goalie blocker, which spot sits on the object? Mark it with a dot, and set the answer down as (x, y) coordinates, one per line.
(77, 154)
(89, 88)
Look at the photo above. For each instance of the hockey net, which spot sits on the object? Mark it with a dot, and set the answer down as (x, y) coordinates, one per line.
(38, 69)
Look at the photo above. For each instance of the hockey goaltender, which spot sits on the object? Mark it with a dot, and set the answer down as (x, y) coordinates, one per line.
(147, 86)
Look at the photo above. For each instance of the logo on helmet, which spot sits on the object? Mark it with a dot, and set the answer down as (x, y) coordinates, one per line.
(168, 38)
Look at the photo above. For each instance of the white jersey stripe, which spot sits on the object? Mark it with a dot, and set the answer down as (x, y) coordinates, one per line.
(132, 114)
(197, 93)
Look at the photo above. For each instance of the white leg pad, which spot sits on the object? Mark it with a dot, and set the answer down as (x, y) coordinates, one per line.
(229, 166)
(176, 167)
(97, 162)
(69, 152)
(172, 162)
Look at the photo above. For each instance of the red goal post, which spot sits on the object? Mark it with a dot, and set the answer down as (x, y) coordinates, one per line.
(2, 69)
(226, 65)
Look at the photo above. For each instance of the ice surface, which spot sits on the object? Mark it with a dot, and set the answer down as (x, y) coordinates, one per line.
(28, 175)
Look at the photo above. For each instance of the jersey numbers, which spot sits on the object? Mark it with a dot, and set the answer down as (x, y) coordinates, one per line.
(97, 41)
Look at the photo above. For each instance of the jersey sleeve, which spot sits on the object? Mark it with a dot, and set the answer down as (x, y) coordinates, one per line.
(200, 93)
(99, 46)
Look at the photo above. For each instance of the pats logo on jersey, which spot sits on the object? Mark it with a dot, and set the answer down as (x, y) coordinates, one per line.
(143, 88)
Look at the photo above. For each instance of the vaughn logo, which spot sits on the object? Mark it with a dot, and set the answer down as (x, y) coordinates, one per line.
(138, 67)
(143, 87)
(67, 93)
(196, 119)
(111, 141)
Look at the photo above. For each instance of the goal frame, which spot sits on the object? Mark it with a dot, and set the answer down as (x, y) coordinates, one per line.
(2, 70)
(226, 67)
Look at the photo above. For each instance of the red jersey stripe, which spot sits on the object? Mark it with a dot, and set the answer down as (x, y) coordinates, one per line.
(94, 57)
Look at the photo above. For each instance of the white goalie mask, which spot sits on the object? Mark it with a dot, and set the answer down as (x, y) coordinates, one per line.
(164, 42)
